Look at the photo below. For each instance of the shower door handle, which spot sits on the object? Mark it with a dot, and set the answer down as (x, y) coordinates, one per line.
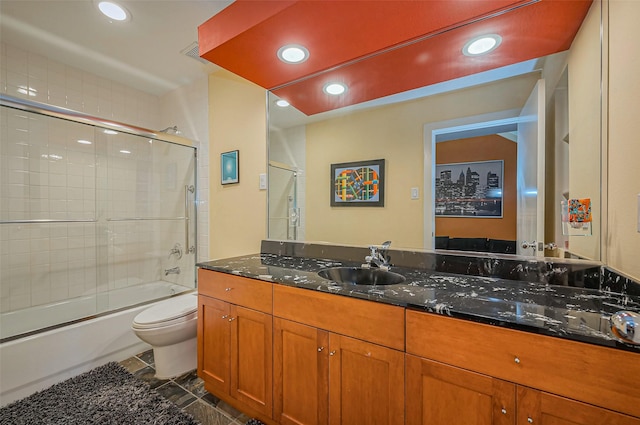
(187, 218)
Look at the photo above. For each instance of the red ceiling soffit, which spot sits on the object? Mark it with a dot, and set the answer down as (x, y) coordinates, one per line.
(247, 45)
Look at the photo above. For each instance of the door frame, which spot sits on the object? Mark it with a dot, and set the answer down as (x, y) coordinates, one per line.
(434, 129)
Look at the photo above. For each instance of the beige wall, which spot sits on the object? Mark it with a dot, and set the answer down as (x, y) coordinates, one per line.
(584, 71)
(394, 133)
(623, 240)
(237, 120)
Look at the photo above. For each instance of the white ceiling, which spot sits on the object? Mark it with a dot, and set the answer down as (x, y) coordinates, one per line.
(144, 53)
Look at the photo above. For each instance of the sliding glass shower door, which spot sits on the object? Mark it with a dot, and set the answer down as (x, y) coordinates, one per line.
(93, 218)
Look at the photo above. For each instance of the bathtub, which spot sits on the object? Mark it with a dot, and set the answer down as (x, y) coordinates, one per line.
(34, 362)
(40, 317)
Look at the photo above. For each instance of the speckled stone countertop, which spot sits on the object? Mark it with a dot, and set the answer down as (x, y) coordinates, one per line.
(576, 313)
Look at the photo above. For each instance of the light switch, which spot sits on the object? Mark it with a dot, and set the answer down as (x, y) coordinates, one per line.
(263, 181)
(414, 193)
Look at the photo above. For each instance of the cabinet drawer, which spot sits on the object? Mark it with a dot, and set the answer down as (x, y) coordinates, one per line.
(598, 375)
(250, 293)
(370, 321)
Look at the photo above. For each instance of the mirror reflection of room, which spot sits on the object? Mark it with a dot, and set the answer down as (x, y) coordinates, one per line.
(415, 131)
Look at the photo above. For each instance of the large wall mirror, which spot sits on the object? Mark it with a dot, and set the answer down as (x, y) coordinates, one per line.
(481, 162)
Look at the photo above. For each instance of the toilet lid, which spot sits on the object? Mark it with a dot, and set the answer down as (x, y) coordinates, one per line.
(167, 311)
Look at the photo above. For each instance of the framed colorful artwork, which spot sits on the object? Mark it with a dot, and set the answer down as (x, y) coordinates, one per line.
(230, 167)
(358, 184)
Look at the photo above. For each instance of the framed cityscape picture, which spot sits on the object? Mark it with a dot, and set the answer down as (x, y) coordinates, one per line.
(230, 167)
(358, 184)
(469, 189)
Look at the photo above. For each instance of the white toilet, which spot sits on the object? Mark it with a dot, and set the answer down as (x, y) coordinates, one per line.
(170, 327)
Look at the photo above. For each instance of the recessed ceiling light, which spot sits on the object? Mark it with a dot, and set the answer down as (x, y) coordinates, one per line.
(124, 151)
(113, 10)
(84, 142)
(282, 103)
(481, 45)
(107, 131)
(334, 89)
(293, 53)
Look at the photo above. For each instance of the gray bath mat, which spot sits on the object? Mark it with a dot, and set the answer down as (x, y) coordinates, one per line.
(105, 395)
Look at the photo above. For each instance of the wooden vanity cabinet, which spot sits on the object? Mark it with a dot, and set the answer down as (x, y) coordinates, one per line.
(293, 356)
(235, 340)
(439, 394)
(540, 408)
(552, 381)
(343, 379)
(300, 373)
(366, 383)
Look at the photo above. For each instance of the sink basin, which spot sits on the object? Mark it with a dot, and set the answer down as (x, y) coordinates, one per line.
(361, 276)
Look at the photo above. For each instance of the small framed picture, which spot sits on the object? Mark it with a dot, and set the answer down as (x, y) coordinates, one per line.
(230, 167)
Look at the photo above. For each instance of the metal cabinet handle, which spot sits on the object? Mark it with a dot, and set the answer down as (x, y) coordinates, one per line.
(517, 360)
(320, 349)
(332, 353)
(231, 319)
(228, 289)
(504, 411)
(530, 420)
(225, 316)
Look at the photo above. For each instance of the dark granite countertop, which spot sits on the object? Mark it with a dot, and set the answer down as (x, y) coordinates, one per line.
(579, 314)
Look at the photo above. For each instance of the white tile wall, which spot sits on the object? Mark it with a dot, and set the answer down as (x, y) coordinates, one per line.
(34, 77)
(45, 173)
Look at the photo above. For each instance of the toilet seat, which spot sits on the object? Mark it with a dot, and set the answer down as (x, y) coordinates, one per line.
(167, 313)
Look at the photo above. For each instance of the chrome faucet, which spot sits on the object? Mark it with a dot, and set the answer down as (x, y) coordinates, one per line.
(173, 270)
(378, 256)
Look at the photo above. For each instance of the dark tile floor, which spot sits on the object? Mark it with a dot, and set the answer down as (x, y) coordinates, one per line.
(187, 392)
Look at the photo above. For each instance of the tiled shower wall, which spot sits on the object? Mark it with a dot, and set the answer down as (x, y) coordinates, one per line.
(122, 198)
(63, 260)
(37, 78)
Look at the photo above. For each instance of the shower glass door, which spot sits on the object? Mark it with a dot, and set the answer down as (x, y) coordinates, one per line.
(92, 219)
(149, 219)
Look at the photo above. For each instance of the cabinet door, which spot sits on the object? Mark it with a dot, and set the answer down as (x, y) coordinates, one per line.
(301, 374)
(213, 339)
(251, 352)
(366, 383)
(540, 408)
(438, 394)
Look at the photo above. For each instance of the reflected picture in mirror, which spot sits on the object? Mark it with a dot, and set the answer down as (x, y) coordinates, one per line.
(546, 109)
(358, 184)
(469, 189)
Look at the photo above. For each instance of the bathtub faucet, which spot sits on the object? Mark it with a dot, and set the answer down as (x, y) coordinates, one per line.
(173, 270)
